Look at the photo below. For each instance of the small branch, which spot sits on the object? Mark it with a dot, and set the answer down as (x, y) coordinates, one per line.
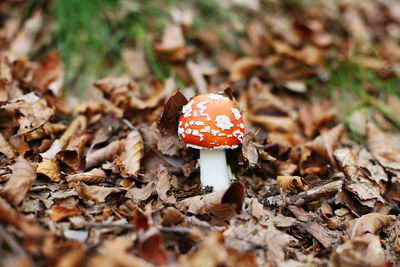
(303, 197)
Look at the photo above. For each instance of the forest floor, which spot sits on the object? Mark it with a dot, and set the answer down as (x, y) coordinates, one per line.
(92, 171)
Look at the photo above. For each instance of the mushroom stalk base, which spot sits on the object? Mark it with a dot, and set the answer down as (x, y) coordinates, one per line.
(213, 169)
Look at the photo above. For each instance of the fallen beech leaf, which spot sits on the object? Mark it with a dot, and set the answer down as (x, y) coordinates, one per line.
(168, 123)
(386, 152)
(197, 77)
(52, 151)
(324, 144)
(316, 116)
(115, 252)
(49, 74)
(106, 153)
(57, 213)
(213, 252)
(35, 112)
(173, 43)
(150, 247)
(23, 42)
(91, 177)
(365, 191)
(49, 168)
(364, 250)
(293, 184)
(73, 257)
(78, 124)
(6, 148)
(349, 164)
(367, 161)
(249, 149)
(96, 193)
(369, 223)
(9, 216)
(224, 204)
(69, 158)
(132, 58)
(46, 129)
(24, 173)
(274, 123)
(163, 186)
(143, 193)
(244, 67)
(129, 161)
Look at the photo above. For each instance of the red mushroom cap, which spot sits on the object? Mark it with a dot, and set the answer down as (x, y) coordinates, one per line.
(211, 121)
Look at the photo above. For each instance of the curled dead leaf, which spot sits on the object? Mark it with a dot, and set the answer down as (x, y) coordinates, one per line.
(57, 213)
(69, 158)
(24, 173)
(363, 250)
(274, 123)
(78, 124)
(369, 223)
(49, 168)
(115, 252)
(49, 74)
(46, 129)
(168, 123)
(9, 216)
(129, 161)
(386, 152)
(293, 184)
(163, 186)
(6, 148)
(142, 193)
(223, 204)
(172, 45)
(91, 177)
(244, 68)
(95, 193)
(106, 153)
(324, 144)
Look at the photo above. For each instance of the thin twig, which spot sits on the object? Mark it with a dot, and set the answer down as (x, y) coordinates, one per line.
(306, 196)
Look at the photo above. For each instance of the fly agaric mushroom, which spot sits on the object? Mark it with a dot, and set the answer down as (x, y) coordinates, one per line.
(211, 123)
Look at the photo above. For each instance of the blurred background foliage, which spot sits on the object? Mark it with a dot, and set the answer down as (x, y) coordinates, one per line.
(91, 36)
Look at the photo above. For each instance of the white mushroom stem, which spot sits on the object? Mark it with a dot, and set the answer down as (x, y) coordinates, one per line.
(213, 169)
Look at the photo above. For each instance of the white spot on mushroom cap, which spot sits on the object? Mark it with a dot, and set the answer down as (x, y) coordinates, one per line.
(191, 122)
(206, 129)
(223, 122)
(236, 113)
(241, 125)
(181, 130)
(216, 97)
(200, 123)
(188, 131)
(187, 109)
(203, 109)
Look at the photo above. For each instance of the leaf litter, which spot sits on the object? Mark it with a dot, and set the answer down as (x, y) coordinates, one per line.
(108, 183)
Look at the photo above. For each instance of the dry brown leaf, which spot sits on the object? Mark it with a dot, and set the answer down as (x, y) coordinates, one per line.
(172, 45)
(73, 257)
(34, 112)
(213, 252)
(324, 144)
(197, 77)
(315, 116)
(296, 86)
(365, 192)
(386, 152)
(57, 213)
(168, 123)
(23, 42)
(49, 74)
(106, 153)
(135, 62)
(78, 124)
(244, 67)
(115, 252)
(46, 129)
(360, 251)
(163, 186)
(293, 184)
(369, 223)
(70, 158)
(9, 216)
(6, 148)
(91, 177)
(274, 123)
(24, 173)
(95, 193)
(224, 204)
(249, 149)
(348, 162)
(367, 161)
(152, 101)
(142, 193)
(50, 168)
(129, 161)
